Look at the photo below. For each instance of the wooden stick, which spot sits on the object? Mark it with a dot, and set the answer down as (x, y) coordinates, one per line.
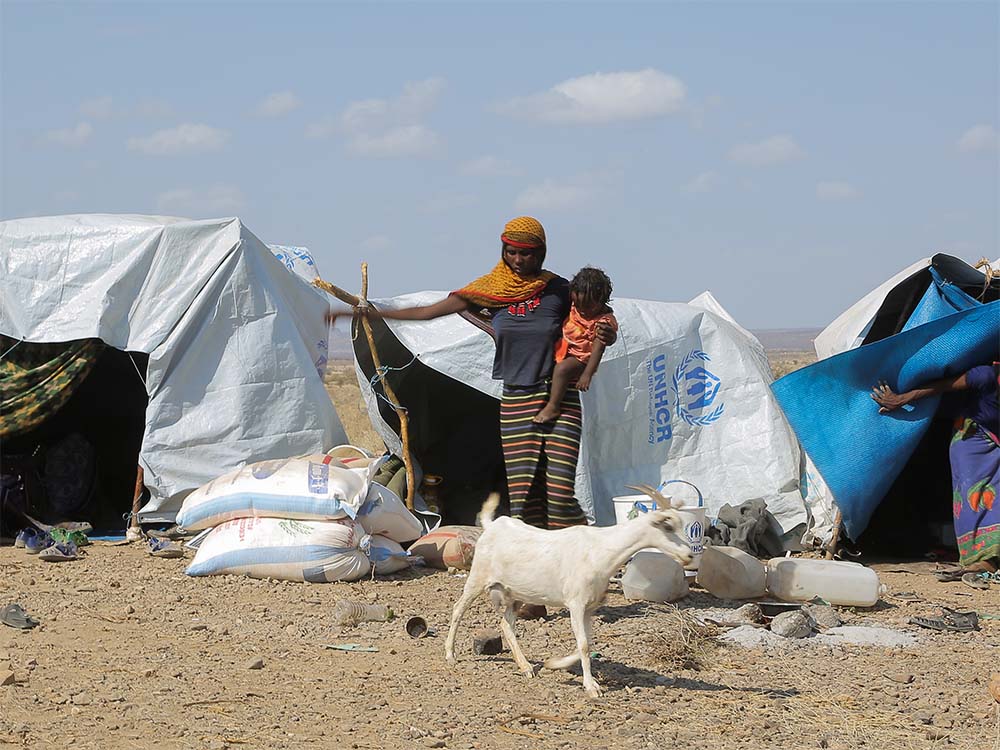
(346, 297)
(134, 531)
(404, 423)
(831, 548)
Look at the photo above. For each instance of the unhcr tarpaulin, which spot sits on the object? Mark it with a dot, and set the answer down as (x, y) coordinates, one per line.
(683, 394)
(236, 342)
(943, 330)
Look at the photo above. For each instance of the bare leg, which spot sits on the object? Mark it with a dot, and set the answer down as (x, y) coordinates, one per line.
(565, 372)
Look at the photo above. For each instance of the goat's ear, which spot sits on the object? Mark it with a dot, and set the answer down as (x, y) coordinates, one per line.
(665, 523)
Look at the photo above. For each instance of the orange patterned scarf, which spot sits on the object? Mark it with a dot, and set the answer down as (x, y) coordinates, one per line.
(501, 286)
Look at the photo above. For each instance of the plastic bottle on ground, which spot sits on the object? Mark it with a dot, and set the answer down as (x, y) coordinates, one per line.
(347, 613)
(731, 573)
(654, 577)
(800, 579)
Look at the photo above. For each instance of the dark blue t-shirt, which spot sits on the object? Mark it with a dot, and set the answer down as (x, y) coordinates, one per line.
(527, 333)
(981, 405)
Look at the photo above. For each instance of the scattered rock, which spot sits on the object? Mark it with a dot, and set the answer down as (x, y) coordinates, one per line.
(904, 678)
(255, 664)
(487, 643)
(199, 626)
(6, 677)
(794, 624)
(748, 613)
(431, 742)
(129, 609)
(823, 615)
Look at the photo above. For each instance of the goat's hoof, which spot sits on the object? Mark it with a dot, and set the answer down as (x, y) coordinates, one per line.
(450, 659)
(529, 672)
(594, 691)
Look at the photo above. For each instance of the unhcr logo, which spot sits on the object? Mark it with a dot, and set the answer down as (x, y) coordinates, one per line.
(691, 391)
(659, 400)
(319, 478)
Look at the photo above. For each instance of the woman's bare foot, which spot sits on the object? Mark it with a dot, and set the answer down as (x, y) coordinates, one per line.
(547, 414)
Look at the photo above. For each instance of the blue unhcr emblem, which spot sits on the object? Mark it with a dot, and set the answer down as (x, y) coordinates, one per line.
(265, 469)
(319, 478)
(695, 389)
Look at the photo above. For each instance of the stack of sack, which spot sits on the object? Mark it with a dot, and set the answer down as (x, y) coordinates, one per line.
(315, 518)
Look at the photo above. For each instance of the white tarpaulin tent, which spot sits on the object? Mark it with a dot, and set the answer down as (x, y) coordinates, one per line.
(683, 394)
(236, 338)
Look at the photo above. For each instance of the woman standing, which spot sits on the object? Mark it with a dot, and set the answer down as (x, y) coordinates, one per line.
(975, 460)
(527, 306)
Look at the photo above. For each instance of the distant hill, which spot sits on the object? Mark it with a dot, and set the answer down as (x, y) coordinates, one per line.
(773, 339)
(787, 339)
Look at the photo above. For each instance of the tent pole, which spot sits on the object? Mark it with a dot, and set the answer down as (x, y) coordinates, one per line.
(134, 532)
(831, 548)
(404, 424)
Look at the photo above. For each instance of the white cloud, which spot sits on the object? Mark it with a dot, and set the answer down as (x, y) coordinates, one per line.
(278, 103)
(98, 108)
(184, 139)
(774, 150)
(386, 127)
(602, 98)
(560, 195)
(703, 183)
(836, 191)
(69, 137)
(153, 109)
(210, 202)
(979, 138)
(409, 140)
(488, 166)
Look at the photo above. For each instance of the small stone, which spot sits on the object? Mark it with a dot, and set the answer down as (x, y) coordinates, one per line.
(291, 630)
(256, 664)
(129, 609)
(431, 742)
(794, 624)
(199, 626)
(904, 678)
(148, 672)
(487, 643)
(6, 678)
(824, 615)
(749, 613)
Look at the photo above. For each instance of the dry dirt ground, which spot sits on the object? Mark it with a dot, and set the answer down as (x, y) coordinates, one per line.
(131, 653)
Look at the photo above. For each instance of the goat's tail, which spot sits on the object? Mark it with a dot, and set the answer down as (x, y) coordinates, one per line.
(489, 508)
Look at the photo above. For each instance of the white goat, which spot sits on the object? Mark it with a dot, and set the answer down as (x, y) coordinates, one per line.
(569, 567)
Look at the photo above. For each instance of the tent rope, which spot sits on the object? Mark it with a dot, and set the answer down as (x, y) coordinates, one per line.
(379, 376)
(11, 349)
(988, 272)
(141, 378)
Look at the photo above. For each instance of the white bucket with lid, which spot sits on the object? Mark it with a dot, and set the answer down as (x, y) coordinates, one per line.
(693, 517)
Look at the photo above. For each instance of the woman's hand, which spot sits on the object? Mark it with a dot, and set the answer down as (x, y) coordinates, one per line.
(333, 315)
(887, 399)
(606, 333)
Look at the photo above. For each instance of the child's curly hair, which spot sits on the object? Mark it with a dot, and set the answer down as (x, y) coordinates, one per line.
(592, 285)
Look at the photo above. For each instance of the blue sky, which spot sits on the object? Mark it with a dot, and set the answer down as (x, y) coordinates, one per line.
(788, 157)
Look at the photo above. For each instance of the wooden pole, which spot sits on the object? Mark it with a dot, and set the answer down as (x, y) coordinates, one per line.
(404, 424)
(831, 548)
(134, 531)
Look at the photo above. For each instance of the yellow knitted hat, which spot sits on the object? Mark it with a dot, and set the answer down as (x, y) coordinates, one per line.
(524, 232)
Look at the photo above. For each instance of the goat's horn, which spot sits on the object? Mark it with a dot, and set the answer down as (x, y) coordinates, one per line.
(646, 490)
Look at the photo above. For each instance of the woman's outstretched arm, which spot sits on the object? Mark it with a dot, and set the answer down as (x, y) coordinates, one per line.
(887, 399)
(450, 304)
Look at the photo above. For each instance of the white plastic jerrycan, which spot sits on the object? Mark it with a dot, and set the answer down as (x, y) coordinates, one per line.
(654, 577)
(800, 579)
(730, 573)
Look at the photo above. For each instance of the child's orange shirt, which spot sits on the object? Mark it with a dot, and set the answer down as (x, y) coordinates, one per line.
(578, 335)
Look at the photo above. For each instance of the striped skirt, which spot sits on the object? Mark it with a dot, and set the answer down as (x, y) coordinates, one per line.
(541, 458)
